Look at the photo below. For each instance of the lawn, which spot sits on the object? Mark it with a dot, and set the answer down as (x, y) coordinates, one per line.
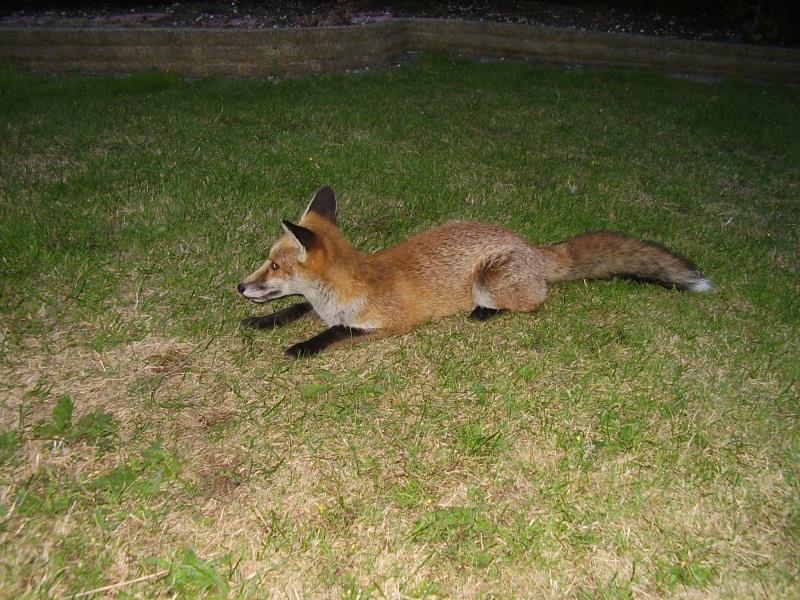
(625, 441)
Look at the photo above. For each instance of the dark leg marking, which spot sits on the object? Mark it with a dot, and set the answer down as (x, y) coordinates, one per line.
(278, 318)
(481, 313)
(319, 342)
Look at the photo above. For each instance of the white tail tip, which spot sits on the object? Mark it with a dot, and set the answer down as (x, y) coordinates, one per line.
(701, 285)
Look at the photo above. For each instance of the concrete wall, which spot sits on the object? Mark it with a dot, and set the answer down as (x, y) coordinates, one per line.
(246, 53)
(241, 53)
(547, 44)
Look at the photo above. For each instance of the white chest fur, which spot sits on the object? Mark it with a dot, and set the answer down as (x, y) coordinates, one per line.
(329, 307)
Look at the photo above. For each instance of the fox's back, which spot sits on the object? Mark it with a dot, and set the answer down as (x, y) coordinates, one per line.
(431, 274)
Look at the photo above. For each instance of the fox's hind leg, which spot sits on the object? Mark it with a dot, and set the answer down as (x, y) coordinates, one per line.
(481, 313)
(506, 285)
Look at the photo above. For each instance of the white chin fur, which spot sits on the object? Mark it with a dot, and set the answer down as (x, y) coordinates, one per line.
(261, 296)
(701, 285)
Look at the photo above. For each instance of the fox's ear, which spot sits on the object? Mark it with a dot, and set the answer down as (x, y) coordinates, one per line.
(305, 239)
(323, 203)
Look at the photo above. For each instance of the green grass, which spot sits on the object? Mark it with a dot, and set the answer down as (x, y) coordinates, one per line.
(626, 441)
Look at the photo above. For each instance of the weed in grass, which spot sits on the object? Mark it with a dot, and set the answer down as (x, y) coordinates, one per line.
(684, 572)
(9, 442)
(312, 390)
(410, 494)
(187, 574)
(47, 492)
(475, 441)
(463, 534)
(97, 428)
(62, 414)
(696, 575)
(618, 434)
(142, 476)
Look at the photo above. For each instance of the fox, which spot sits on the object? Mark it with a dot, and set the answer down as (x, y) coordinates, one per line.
(457, 267)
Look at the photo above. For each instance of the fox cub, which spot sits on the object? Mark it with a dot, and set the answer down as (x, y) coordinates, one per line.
(458, 266)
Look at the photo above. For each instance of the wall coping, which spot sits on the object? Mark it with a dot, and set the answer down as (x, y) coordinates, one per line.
(304, 51)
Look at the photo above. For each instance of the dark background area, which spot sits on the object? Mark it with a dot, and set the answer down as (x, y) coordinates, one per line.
(736, 21)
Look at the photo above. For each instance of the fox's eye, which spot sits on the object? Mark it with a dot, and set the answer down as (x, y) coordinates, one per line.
(274, 266)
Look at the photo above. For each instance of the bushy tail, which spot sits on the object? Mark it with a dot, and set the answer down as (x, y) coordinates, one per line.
(605, 254)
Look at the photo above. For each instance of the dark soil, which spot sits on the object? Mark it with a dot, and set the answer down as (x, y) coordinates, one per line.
(758, 21)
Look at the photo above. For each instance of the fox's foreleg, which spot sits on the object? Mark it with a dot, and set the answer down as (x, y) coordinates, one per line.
(334, 335)
(278, 318)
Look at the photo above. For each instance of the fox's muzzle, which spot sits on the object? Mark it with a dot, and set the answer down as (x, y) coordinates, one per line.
(256, 292)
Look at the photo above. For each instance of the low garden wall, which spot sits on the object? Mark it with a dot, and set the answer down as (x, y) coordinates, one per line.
(246, 53)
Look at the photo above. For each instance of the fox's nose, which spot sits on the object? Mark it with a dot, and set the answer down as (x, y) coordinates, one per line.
(240, 287)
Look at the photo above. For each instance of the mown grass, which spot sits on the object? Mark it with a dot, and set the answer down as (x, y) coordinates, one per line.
(626, 441)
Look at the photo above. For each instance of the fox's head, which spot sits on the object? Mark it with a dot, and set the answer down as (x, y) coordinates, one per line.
(298, 256)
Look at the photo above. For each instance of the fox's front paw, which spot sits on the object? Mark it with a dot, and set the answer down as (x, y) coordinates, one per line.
(302, 349)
